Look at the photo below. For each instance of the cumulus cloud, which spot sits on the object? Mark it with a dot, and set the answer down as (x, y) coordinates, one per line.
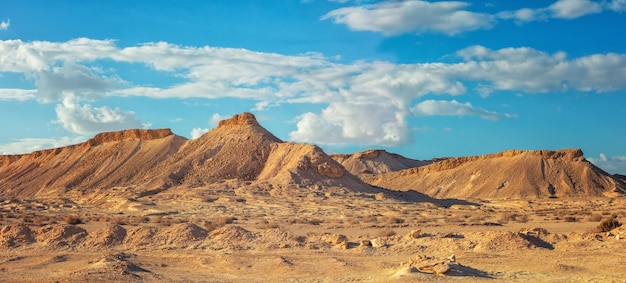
(571, 9)
(86, 119)
(453, 17)
(529, 70)
(342, 122)
(28, 145)
(563, 9)
(74, 78)
(362, 102)
(5, 25)
(454, 108)
(611, 164)
(391, 18)
(197, 132)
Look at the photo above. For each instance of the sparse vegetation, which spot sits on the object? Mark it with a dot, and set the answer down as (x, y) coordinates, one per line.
(73, 219)
(608, 224)
(511, 216)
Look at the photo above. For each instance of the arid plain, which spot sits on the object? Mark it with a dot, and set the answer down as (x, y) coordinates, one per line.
(240, 205)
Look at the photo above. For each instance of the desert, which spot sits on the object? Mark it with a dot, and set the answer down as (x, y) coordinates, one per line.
(240, 205)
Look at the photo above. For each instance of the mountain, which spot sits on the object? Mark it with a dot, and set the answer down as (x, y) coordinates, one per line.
(376, 162)
(107, 160)
(143, 162)
(508, 174)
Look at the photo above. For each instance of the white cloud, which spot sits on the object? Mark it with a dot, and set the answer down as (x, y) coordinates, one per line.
(611, 164)
(86, 119)
(5, 25)
(74, 78)
(28, 145)
(413, 16)
(452, 17)
(454, 108)
(17, 94)
(359, 123)
(69, 69)
(532, 71)
(197, 132)
(571, 9)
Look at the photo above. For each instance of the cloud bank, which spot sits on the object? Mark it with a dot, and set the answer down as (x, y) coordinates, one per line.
(454, 17)
(361, 102)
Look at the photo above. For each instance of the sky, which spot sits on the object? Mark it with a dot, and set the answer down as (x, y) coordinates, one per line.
(424, 79)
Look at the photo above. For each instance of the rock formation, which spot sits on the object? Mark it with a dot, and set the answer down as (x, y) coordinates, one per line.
(508, 174)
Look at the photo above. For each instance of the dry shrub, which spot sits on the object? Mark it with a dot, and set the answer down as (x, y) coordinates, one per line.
(73, 219)
(570, 219)
(218, 222)
(607, 225)
(392, 220)
(510, 216)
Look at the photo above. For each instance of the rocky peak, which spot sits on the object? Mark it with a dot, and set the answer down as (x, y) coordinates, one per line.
(129, 134)
(242, 119)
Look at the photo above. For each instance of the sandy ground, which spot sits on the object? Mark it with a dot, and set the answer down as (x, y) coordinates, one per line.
(200, 238)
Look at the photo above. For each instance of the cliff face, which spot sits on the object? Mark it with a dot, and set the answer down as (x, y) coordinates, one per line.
(144, 135)
(508, 174)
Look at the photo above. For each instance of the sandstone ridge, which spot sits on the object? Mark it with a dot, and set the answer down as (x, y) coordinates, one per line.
(140, 134)
(242, 119)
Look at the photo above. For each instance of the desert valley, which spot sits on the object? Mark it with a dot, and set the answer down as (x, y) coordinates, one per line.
(239, 205)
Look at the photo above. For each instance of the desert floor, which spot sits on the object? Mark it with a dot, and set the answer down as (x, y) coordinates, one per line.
(312, 238)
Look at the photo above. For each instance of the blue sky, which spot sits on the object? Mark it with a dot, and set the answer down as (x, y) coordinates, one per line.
(421, 78)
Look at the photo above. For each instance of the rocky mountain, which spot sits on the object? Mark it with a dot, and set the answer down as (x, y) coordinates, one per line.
(145, 162)
(508, 174)
(241, 157)
(376, 162)
(107, 160)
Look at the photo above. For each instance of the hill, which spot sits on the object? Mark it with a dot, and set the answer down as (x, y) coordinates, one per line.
(107, 160)
(508, 174)
(136, 163)
(376, 162)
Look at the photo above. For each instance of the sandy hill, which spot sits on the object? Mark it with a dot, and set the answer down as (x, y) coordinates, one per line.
(376, 162)
(508, 174)
(240, 149)
(150, 161)
(107, 160)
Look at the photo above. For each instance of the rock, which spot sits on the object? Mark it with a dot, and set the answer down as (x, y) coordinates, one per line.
(438, 268)
(414, 234)
(242, 119)
(365, 243)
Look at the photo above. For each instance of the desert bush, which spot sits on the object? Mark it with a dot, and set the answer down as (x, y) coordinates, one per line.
(608, 224)
(392, 220)
(73, 219)
(570, 219)
(511, 216)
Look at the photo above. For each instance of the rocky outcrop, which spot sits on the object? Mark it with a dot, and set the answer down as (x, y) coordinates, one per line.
(239, 120)
(139, 134)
